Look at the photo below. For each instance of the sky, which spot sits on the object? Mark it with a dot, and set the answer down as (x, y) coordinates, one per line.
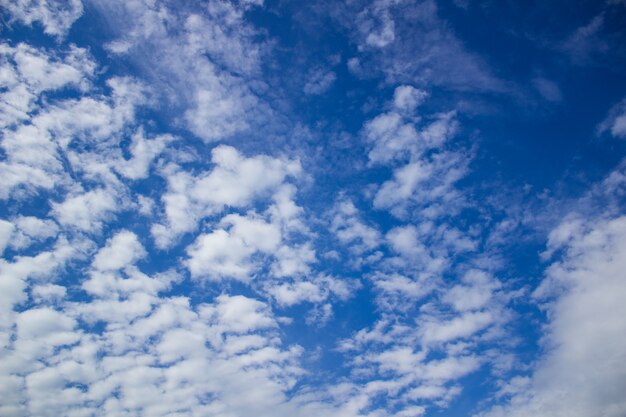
(274, 208)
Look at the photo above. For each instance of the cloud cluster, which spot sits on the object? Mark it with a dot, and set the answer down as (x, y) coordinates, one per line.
(429, 333)
(161, 258)
(56, 16)
(205, 63)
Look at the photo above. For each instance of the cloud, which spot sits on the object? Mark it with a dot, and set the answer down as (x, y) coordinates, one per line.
(615, 122)
(87, 211)
(421, 182)
(585, 43)
(407, 98)
(319, 81)
(548, 89)
(390, 34)
(235, 181)
(20, 269)
(580, 373)
(27, 230)
(351, 230)
(143, 151)
(29, 72)
(79, 131)
(55, 16)
(205, 62)
(226, 253)
(423, 169)
(121, 250)
(156, 244)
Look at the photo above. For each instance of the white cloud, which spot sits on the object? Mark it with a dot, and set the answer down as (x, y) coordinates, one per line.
(475, 291)
(423, 170)
(293, 260)
(207, 65)
(143, 151)
(392, 33)
(47, 324)
(226, 253)
(548, 89)
(458, 327)
(56, 16)
(235, 181)
(28, 72)
(615, 123)
(422, 183)
(121, 250)
(350, 229)
(582, 372)
(406, 242)
(239, 314)
(290, 294)
(407, 98)
(376, 24)
(86, 211)
(49, 293)
(319, 81)
(31, 229)
(392, 137)
(6, 230)
(38, 149)
(15, 273)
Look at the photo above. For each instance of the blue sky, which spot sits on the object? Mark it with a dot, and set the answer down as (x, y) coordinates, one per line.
(272, 208)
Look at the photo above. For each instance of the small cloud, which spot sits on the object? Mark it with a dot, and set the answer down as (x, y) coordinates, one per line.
(615, 122)
(319, 82)
(548, 89)
(585, 42)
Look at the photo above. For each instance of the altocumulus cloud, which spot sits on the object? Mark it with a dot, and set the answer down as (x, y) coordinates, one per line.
(235, 208)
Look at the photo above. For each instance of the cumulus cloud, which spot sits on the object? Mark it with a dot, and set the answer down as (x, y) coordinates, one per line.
(226, 253)
(121, 250)
(235, 181)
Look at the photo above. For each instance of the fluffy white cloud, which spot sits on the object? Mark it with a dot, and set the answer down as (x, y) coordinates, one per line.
(56, 16)
(582, 371)
(143, 151)
(226, 253)
(235, 181)
(31, 229)
(350, 229)
(15, 273)
(211, 61)
(86, 211)
(84, 132)
(28, 72)
(121, 250)
(6, 230)
(239, 314)
(422, 183)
